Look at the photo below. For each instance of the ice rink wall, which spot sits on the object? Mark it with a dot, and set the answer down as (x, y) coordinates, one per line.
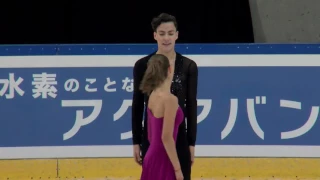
(65, 111)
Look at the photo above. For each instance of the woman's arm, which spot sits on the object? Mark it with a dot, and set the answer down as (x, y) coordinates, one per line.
(170, 110)
(191, 103)
(149, 131)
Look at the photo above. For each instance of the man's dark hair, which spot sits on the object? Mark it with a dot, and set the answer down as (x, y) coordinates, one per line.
(163, 18)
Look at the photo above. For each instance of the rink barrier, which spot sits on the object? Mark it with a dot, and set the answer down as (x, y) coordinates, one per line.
(275, 126)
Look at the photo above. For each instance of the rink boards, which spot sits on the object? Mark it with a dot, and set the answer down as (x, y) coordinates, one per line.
(254, 101)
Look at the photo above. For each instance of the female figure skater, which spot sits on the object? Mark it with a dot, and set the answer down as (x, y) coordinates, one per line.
(183, 86)
(164, 117)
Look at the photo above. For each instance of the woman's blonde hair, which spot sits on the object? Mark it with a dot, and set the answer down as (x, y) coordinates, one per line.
(156, 73)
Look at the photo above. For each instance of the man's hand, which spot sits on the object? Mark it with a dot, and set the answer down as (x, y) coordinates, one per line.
(136, 154)
(192, 154)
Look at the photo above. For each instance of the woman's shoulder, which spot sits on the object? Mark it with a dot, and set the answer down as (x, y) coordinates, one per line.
(170, 99)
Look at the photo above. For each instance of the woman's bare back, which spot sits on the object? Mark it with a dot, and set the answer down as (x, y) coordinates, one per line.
(157, 102)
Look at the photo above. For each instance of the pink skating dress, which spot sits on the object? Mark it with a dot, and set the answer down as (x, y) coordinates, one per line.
(156, 163)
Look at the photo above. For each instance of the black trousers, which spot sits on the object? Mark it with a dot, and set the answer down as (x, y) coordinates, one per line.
(183, 152)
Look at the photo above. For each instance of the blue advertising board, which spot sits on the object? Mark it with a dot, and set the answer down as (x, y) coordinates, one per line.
(74, 100)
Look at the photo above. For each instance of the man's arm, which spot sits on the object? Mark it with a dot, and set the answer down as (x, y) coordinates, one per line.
(191, 103)
(137, 103)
